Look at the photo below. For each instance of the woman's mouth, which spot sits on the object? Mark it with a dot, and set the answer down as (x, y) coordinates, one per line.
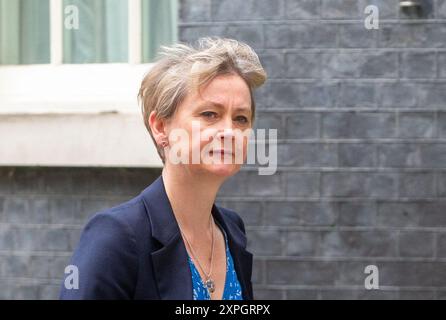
(221, 152)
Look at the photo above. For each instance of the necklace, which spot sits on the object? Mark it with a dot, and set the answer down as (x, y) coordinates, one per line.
(209, 283)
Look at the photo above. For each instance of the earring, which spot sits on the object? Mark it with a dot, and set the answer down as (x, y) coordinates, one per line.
(164, 143)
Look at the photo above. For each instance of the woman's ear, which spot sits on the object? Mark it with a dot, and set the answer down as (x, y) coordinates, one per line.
(158, 128)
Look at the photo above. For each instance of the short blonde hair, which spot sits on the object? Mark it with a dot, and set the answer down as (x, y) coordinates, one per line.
(182, 68)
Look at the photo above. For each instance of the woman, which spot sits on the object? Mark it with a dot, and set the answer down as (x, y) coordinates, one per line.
(172, 241)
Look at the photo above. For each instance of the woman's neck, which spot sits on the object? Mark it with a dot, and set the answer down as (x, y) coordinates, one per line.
(191, 197)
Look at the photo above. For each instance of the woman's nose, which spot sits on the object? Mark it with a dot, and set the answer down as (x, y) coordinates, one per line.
(225, 133)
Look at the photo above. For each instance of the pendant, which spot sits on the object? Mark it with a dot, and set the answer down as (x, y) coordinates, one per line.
(210, 285)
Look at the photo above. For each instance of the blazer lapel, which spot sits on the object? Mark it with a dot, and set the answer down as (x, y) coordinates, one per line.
(237, 245)
(170, 265)
(171, 268)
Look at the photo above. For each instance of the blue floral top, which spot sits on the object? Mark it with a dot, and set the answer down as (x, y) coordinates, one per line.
(232, 290)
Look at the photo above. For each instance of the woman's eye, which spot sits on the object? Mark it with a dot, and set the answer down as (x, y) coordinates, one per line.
(209, 114)
(242, 119)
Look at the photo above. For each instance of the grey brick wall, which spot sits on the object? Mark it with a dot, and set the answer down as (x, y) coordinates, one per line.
(362, 155)
(42, 212)
(361, 179)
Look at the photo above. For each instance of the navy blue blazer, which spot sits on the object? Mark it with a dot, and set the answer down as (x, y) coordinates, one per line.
(135, 251)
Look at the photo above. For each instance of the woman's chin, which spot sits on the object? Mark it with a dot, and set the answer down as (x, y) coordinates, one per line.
(222, 170)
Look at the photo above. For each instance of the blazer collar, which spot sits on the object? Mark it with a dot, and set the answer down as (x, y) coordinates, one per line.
(170, 263)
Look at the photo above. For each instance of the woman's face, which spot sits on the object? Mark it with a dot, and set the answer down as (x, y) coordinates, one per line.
(216, 118)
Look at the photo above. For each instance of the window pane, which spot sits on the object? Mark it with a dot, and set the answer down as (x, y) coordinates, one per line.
(159, 26)
(24, 31)
(102, 34)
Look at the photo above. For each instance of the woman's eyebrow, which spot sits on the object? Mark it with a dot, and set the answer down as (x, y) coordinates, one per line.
(221, 106)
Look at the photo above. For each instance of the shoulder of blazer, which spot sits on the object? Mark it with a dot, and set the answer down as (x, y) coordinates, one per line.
(107, 254)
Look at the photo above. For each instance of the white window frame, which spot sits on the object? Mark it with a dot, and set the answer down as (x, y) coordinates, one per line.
(101, 87)
(76, 114)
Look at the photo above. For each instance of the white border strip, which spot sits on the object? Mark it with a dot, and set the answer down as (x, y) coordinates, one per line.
(56, 31)
(135, 31)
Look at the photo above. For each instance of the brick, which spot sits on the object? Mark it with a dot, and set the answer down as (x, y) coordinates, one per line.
(190, 34)
(270, 121)
(357, 95)
(340, 9)
(300, 184)
(192, 10)
(339, 294)
(408, 273)
(281, 95)
(379, 65)
(18, 291)
(417, 185)
(432, 95)
(302, 9)
(441, 245)
(357, 155)
(265, 242)
(353, 65)
(411, 214)
(6, 180)
(267, 294)
(225, 10)
(250, 34)
(3, 217)
(398, 95)
(416, 124)
(273, 63)
(249, 211)
(429, 155)
(356, 36)
(302, 125)
(31, 238)
(258, 268)
(321, 94)
(416, 244)
(441, 123)
(358, 244)
(303, 65)
(26, 210)
(435, 35)
(359, 184)
(357, 213)
(66, 211)
(340, 65)
(416, 295)
(441, 9)
(15, 266)
(308, 155)
(418, 65)
(302, 243)
(302, 294)
(441, 64)
(300, 213)
(358, 125)
(286, 272)
(48, 292)
(264, 185)
(403, 36)
(235, 185)
(26, 181)
(441, 177)
(303, 35)
(58, 181)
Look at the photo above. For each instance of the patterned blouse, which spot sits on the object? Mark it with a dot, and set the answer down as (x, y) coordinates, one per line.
(232, 290)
